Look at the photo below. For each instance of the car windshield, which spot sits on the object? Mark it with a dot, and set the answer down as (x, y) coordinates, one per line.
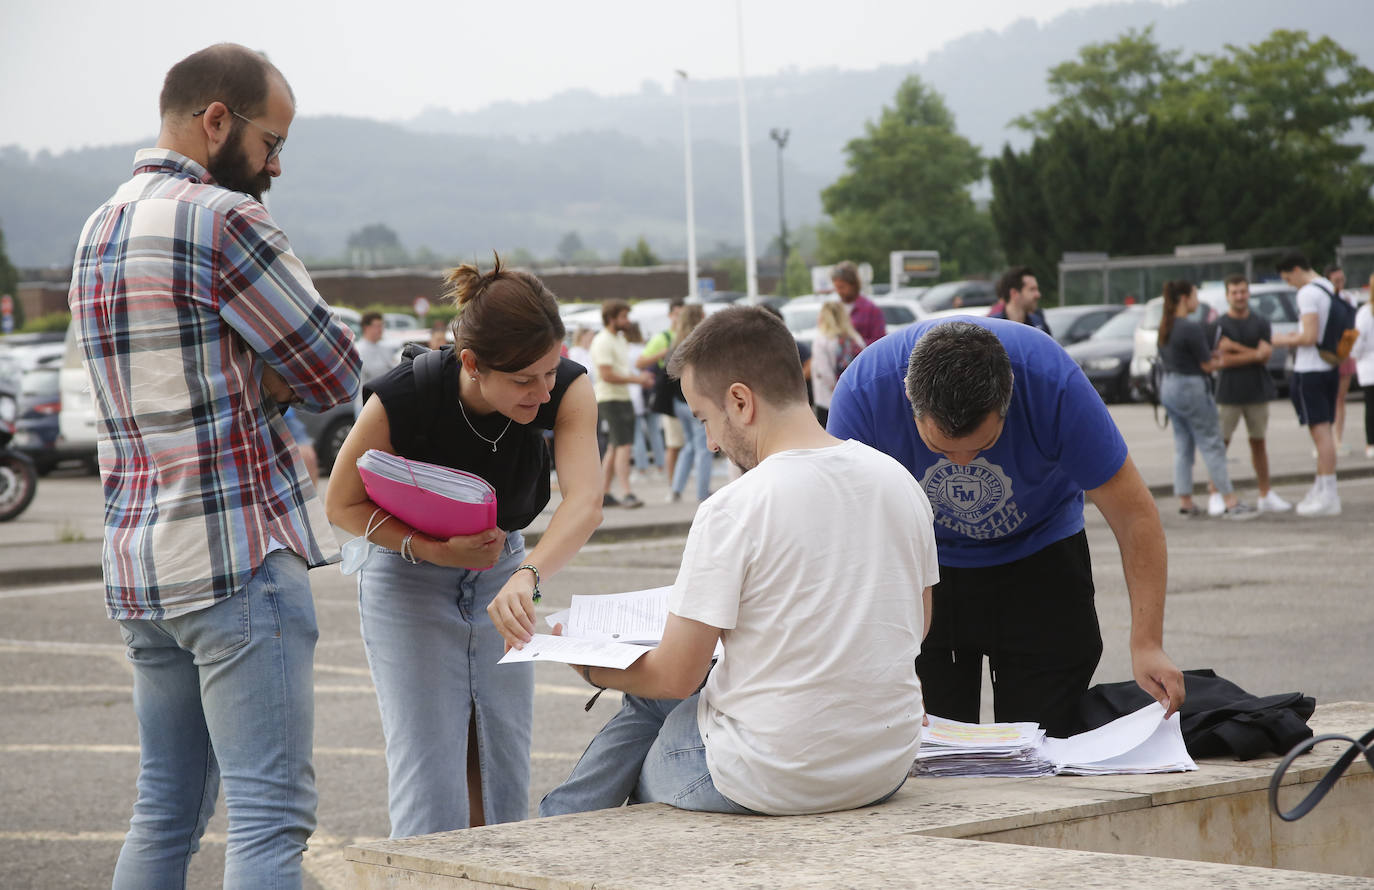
(1121, 326)
(936, 298)
(801, 318)
(894, 314)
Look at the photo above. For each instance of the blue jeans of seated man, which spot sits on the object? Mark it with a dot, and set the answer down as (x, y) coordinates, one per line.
(432, 651)
(693, 452)
(649, 752)
(225, 693)
(1193, 413)
(648, 427)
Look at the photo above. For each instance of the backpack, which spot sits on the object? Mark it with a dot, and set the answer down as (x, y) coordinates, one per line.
(1150, 386)
(1339, 337)
(426, 365)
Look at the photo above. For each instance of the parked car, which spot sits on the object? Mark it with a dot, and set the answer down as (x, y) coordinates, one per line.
(1275, 301)
(33, 373)
(959, 295)
(1105, 356)
(898, 312)
(401, 322)
(1074, 324)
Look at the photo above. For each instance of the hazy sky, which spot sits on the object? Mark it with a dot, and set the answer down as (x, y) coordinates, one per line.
(87, 72)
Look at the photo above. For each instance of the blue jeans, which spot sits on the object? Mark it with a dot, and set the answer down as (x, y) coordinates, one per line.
(649, 752)
(433, 652)
(693, 452)
(648, 424)
(1193, 414)
(226, 692)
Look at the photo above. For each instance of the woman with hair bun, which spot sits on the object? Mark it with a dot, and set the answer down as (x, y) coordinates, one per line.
(438, 614)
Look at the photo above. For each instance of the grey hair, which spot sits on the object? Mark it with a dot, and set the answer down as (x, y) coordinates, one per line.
(958, 374)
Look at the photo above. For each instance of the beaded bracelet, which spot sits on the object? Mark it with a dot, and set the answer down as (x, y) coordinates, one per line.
(535, 594)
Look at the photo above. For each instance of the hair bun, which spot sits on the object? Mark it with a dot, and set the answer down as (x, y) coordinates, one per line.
(466, 283)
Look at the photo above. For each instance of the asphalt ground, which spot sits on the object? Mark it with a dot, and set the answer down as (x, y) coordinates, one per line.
(1276, 604)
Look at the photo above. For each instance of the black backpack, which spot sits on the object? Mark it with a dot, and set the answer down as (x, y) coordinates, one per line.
(1339, 336)
(427, 365)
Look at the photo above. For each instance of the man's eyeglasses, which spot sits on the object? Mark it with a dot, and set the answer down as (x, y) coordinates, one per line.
(279, 142)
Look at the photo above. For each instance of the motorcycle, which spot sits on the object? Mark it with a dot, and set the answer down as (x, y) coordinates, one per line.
(18, 475)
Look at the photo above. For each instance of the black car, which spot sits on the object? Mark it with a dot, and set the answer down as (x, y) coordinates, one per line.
(1105, 357)
(1074, 324)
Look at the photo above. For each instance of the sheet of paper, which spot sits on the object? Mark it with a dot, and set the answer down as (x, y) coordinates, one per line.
(638, 616)
(1142, 742)
(571, 650)
(979, 735)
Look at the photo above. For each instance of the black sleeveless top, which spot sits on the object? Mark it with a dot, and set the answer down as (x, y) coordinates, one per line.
(519, 467)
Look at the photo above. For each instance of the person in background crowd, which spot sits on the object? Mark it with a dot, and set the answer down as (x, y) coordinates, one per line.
(610, 354)
(1315, 384)
(654, 359)
(697, 453)
(836, 345)
(864, 314)
(195, 320)
(1363, 353)
(1186, 395)
(438, 614)
(648, 431)
(1018, 299)
(377, 357)
(1336, 275)
(1245, 389)
(438, 335)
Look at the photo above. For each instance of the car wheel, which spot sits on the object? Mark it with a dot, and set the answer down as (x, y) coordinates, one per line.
(330, 441)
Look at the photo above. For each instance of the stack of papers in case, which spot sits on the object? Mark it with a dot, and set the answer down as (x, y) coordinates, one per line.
(439, 501)
(951, 748)
(1142, 742)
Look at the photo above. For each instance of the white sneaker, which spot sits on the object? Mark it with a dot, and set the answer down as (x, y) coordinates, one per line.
(1216, 504)
(1272, 503)
(1241, 511)
(1320, 505)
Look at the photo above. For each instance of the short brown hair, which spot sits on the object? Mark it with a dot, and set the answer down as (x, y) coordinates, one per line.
(1013, 279)
(1238, 278)
(368, 318)
(225, 72)
(509, 319)
(845, 270)
(611, 308)
(742, 344)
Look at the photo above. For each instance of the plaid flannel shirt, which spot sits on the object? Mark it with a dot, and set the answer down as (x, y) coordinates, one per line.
(182, 293)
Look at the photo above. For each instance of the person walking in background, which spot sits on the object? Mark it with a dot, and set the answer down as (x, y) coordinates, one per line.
(696, 453)
(1363, 353)
(836, 345)
(1346, 369)
(865, 315)
(654, 359)
(377, 357)
(610, 355)
(1018, 299)
(1315, 383)
(1186, 396)
(436, 614)
(1245, 389)
(648, 439)
(194, 320)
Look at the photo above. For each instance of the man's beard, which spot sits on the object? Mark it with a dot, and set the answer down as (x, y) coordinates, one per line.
(230, 169)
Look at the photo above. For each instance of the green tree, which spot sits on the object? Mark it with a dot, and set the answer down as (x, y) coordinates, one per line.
(907, 186)
(376, 244)
(639, 255)
(796, 277)
(569, 247)
(9, 282)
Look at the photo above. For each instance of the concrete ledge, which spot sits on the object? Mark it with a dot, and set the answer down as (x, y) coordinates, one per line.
(1207, 829)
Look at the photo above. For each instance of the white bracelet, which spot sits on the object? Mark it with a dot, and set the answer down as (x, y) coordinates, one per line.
(407, 551)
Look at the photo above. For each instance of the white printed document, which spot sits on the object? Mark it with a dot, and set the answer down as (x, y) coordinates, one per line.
(571, 650)
(1143, 742)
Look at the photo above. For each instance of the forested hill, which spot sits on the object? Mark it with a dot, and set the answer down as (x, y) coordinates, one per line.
(610, 168)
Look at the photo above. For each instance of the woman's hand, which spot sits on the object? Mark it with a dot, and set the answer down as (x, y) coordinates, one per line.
(479, 551)
(512, 612)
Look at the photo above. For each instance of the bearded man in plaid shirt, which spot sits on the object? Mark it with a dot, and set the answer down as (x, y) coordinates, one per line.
(196, 321)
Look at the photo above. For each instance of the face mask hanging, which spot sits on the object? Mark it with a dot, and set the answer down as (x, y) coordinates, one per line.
(357, 551)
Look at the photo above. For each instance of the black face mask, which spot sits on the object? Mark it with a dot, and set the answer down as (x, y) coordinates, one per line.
(231, 169)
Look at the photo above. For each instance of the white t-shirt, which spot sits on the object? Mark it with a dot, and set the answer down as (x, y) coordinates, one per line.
(1312, 299)
(611, 349)
(813, 564)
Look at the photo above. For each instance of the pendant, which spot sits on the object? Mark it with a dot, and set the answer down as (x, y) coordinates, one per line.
(493, 447)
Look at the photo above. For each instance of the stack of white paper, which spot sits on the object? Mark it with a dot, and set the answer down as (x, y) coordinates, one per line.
(951, 748)
(610, 630)
(453, 484)
(1142, 742)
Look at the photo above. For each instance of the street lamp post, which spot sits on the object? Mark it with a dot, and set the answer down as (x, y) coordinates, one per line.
(780, 137)
(750, 263)
(691, 220)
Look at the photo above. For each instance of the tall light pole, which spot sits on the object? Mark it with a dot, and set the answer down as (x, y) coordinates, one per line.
(750, 263)
(780, 137)
(691, 218)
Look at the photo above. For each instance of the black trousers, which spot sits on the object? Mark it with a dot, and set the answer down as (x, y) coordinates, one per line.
(1036, 622)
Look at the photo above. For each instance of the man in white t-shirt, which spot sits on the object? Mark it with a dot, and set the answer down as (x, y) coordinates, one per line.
(813, 571)
(1315, 383)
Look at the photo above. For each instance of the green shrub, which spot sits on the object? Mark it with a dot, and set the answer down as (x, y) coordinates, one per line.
(53, 321)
